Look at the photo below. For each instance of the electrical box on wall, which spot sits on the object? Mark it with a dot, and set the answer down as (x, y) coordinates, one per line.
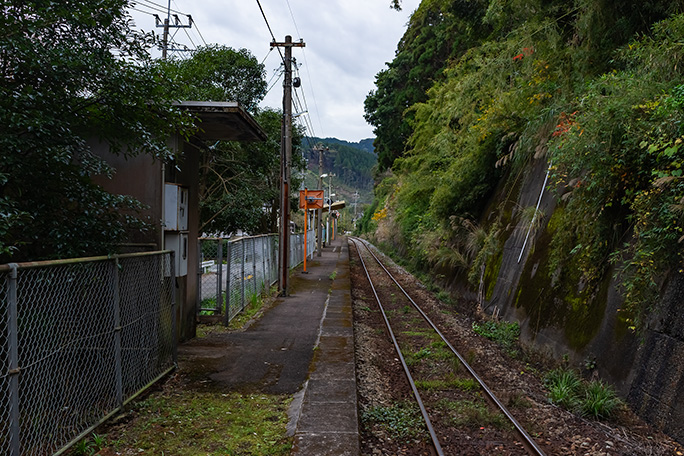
(178, 242)
(175, 207)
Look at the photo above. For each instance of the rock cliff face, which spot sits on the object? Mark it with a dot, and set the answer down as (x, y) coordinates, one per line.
(568, 318)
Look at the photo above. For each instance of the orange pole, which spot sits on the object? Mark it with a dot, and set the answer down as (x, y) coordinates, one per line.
(306, 215)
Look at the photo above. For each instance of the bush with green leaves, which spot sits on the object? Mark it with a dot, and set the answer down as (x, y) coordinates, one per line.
(593, 88)
(599, 401)
(73, 72)
(618, 156)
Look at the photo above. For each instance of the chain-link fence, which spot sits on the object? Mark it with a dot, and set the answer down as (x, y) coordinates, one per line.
(237, 271)
(78, 339)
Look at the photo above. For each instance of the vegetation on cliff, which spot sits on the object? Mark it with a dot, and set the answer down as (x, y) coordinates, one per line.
(592, 87)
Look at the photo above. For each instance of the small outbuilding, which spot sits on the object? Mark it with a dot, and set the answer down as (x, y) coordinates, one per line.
(170, 192)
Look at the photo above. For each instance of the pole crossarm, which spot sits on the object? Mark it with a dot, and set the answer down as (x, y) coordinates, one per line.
(287, 44)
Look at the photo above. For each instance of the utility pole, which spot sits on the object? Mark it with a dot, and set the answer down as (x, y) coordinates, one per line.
(167, 25)
(356, 200)
(285, 161)
(319, 211)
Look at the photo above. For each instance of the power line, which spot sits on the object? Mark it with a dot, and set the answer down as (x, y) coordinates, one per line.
(269, 29)
(188, 35)
(304, 114)
(267, 54)
(293, 19)
(279, 73)
(305, 108)
(196, 28)
(308, 74)
(313, 95)
(200, 34)
(164, 8)
(141, 11)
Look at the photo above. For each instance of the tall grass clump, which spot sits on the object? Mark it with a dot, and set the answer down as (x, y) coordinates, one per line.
(599, 401)
(593, 399)
(564, 388)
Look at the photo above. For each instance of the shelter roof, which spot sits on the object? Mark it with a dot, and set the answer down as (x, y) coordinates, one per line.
(336, 206)
(225, 120)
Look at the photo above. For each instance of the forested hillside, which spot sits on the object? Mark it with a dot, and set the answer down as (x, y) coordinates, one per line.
(532, 158)
(351, 163)
(595, 87)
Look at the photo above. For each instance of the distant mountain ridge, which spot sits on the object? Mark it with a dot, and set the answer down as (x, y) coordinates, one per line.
(364, 144)
(352, 164)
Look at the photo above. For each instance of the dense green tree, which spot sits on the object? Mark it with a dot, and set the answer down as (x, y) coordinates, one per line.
(594, 87)
(218, 73)
(70, 71)
(239, 181)
(438, 31)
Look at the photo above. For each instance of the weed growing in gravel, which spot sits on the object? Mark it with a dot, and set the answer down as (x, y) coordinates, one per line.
(517, 400)
(440, 351)
(473, 414)
(451, 382)
(413, 358)
(502, 332)
(445, 297)
(471, 356)
(400, 421)
(424, 333)
(89, 446)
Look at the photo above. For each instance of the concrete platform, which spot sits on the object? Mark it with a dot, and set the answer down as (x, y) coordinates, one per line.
(304, 346)
(328, 423)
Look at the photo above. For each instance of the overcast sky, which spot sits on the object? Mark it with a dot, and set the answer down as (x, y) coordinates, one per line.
(347, 43)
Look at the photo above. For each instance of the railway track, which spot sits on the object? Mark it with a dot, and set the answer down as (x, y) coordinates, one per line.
(461, 413)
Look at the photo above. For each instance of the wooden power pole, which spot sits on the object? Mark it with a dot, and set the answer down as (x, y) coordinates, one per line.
(285, 162)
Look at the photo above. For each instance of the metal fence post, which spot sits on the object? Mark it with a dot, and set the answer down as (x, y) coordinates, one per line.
(242, 276)
(229, 264)
(274, 249)
(268, 260)
(200, 272)
(14, 362)
(264, 277)
(174, 319)
(117, 333)
(254, 276)
(219, 263)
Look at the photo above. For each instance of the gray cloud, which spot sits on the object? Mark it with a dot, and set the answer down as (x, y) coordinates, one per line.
(347, 44)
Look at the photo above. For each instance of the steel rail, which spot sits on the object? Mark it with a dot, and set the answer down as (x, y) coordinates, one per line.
(416, 394)
(527, 441)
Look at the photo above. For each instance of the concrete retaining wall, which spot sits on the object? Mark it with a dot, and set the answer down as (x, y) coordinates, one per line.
(648, 371)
